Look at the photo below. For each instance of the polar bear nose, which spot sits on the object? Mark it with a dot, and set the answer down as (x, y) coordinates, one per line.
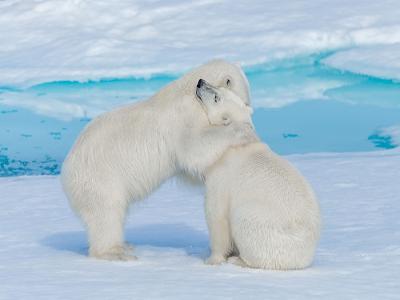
(200, 83)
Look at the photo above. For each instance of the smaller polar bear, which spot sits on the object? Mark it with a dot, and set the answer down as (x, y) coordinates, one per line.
(260, 210)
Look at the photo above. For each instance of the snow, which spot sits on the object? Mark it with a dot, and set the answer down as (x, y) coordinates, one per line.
(291, 51)
(381, 61)
(53, 40)
(43, 246)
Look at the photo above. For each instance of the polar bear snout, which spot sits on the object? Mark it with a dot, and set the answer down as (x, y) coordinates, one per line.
(200, 83)
(222, 106)
(199, 86)
(206, 92)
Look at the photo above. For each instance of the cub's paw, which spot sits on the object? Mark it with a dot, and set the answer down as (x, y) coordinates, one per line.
(236, 260)
(128, 248)
(215, 260)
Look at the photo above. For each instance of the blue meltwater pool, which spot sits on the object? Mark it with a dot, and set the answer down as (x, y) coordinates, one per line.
(300, 104)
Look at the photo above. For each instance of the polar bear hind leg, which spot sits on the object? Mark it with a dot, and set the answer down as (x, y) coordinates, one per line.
(104, 216)
(265, 245)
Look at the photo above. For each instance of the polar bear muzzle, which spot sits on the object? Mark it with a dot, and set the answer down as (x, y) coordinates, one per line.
(206, 92)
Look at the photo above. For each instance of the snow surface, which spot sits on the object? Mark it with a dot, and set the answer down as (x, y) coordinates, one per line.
(378, 61)
(43, 246)
(50, 40)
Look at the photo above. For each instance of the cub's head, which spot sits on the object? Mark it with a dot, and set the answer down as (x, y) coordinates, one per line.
(221, 105)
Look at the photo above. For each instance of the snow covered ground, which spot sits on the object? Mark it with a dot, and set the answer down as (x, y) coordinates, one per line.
(343, 55)
(43, 246)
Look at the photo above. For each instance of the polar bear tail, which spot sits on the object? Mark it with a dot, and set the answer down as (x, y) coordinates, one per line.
(267, 245)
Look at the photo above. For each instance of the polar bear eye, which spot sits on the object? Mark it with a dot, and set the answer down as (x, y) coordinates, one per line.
(228, 81)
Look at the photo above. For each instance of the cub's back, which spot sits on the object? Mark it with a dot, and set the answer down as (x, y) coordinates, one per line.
(257, 175)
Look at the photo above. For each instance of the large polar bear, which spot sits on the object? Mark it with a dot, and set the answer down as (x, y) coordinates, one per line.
(260, 210)
(123, 155)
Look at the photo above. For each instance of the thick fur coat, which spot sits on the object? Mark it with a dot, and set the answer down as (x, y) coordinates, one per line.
(124, 154)
(260, 211)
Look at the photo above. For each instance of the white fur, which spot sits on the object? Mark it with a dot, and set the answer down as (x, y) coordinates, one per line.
(123, 155)
(261, 210)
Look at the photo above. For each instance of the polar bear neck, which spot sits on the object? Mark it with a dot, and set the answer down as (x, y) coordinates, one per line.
(236, 155)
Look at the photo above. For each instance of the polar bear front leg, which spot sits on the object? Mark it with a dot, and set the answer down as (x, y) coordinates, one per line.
(218, 227)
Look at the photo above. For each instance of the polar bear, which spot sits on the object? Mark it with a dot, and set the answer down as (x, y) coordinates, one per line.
(260, 210)
(123, 155)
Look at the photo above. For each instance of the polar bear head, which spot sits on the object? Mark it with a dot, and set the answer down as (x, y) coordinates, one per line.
(218, 73)
(221, 73)
(222, 106)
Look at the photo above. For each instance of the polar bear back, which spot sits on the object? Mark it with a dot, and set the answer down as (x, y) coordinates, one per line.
(117, 143)
(272, 212)
(259, 178)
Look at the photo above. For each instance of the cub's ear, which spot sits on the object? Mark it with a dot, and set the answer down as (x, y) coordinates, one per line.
(206, 93)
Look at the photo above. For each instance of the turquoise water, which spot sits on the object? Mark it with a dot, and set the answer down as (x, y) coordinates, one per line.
(300, 106)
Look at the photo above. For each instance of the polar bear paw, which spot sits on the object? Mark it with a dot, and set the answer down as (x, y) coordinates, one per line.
(128, 248)
(236, 260)
(117, 253)
(215, 260)
(116, 256)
